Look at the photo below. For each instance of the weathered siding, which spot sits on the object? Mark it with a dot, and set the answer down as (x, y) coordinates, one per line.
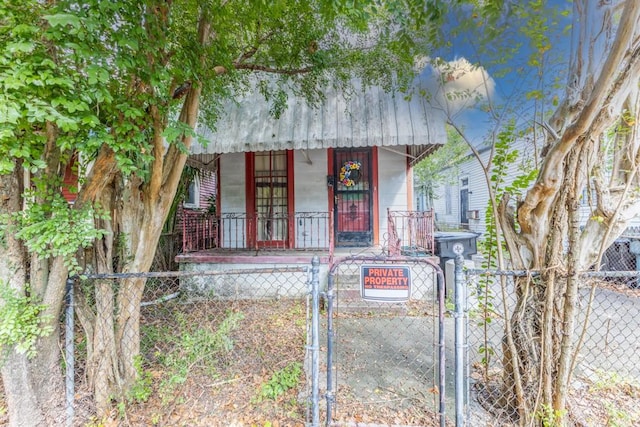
(232, 183)
(310, 181)
(207, 189)
(392, 187)
(232, 199)
(311, 195)
(472, 170)
(311, 190)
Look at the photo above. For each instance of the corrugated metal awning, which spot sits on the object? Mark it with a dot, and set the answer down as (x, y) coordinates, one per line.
(368, 118)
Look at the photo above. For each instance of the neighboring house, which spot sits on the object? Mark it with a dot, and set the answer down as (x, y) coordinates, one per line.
(314, 179)
(462, 201)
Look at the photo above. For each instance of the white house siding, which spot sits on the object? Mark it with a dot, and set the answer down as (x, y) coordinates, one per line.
(479, 197)
(311, 195)
(471, 170)
(310, 181)
(392, 186)
(232, 198)
(311, 191)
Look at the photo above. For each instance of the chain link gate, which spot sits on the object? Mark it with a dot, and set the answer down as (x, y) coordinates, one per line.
(385, 350)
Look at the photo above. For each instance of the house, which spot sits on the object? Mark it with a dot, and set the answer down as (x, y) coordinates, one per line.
(315, 179)
(461, 201)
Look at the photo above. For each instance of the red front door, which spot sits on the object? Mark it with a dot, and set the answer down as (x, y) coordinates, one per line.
(352, 197)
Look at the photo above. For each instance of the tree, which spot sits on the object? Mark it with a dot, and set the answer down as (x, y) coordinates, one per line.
(428, 172)
(119, 88)
(590, 146)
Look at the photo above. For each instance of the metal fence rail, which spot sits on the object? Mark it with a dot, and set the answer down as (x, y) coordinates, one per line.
(301, 230)
(222, 345)
(411, 232)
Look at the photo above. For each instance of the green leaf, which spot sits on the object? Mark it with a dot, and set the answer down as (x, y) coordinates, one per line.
(63, 19)
(25, 47)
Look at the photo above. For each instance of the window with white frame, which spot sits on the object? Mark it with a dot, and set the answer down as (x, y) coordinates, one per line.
(192, 197)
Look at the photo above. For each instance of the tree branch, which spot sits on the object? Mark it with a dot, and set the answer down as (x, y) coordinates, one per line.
(267, 69)
(608, 86)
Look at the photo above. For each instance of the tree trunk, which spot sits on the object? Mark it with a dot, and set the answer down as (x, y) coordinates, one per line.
(138, 210)
(33, 388)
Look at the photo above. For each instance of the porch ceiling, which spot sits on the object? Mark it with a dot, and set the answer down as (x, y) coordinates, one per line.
(370, 117)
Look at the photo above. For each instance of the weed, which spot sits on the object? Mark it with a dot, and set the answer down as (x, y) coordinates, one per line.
(193, 347)
(612, 381)
(95, 422)
(281, 381)
(550, 417)
(142, 388)
(617, 417)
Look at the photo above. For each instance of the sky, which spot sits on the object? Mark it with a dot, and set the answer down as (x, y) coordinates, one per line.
(474, 74)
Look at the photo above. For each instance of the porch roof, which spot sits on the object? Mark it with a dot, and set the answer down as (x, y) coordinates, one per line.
(370, 117)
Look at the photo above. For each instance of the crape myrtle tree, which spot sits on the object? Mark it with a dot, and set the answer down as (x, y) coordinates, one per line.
(115, 88)
(589, 144)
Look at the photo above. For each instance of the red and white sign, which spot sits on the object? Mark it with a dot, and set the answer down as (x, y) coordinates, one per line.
(386, 283)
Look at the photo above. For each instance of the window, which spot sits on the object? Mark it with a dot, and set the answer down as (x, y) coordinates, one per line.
(192, 197)
(447, 200)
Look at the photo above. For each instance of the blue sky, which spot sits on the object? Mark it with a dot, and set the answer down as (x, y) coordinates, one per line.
(474, 67)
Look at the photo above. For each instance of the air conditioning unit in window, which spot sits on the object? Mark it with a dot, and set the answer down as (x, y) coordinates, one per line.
(475, 214)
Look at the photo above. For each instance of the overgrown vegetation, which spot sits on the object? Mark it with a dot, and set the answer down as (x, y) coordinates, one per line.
(280, 382)
(188, 348)
(211, 361)
(20, 322)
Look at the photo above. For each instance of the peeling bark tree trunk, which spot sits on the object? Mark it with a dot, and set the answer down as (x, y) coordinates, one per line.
(139, 211)
(539, 345)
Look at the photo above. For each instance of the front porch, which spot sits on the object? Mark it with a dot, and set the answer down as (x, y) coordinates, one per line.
(293, 239)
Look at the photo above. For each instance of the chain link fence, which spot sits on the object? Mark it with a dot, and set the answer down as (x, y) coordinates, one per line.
(236, 347)
(605, 389)
(385, 350)
(216, 347)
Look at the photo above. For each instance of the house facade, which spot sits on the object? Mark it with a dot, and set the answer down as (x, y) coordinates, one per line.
(462, 200)
(313, 179)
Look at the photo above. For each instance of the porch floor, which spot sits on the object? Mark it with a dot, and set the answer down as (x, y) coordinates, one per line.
(267, 256)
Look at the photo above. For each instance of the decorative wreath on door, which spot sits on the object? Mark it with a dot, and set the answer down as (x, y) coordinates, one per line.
(349, 173)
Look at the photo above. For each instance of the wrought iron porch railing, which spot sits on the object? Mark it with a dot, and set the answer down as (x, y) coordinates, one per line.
(238, 231)
(410, 232)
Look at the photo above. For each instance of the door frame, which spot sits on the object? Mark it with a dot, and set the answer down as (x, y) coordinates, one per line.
(464, 202)
(332, 177)
(252, 221)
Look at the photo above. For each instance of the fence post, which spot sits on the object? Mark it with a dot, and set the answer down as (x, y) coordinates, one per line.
(460, 306)
(442, 348)
(329, 394)
(315, 340)
(69, 350)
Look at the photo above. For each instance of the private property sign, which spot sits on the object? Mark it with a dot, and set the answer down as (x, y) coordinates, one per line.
(386, 283)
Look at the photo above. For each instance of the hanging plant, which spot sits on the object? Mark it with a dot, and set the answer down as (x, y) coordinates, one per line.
(349, 173)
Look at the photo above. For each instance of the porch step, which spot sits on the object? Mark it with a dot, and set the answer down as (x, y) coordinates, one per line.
(371, 308)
